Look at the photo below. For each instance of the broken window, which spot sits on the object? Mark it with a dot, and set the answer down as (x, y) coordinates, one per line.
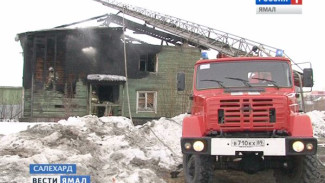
(146, 101)
(148, 63)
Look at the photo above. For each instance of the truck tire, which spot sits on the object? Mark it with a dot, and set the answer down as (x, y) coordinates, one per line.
(198, 168)
(304, 170)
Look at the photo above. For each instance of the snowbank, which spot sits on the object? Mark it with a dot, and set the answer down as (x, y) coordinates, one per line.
(318, 120)
(109, 149)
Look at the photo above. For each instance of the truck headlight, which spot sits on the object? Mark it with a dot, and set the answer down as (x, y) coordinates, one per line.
(198, 146)
(298, 146)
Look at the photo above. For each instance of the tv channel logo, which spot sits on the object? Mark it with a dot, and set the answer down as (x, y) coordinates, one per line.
(278, 6)
(49, 173)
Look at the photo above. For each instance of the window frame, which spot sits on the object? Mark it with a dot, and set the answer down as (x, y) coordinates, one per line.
(146, 101)
(146, 62)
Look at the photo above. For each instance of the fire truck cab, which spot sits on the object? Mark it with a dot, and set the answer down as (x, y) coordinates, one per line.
(245, 116)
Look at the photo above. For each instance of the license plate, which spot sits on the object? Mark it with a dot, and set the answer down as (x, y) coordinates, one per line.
(247, 143)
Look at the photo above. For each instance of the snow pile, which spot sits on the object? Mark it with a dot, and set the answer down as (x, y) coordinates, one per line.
(102, 77)
(318, 120)
(109, 149)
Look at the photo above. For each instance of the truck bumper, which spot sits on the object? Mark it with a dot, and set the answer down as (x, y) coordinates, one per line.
(237, 146)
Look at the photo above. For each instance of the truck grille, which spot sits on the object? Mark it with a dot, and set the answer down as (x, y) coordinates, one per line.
(246, 113)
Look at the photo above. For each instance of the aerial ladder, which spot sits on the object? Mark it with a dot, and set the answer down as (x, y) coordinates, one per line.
(179, 30)
(144, 29)
(200, 35)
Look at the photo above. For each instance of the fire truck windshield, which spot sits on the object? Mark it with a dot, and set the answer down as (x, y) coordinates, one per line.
(243, 74)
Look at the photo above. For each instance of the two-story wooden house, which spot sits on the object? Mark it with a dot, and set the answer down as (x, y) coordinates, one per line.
(64, 68)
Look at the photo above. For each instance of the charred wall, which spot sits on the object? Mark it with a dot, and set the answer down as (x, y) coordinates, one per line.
(75, 53)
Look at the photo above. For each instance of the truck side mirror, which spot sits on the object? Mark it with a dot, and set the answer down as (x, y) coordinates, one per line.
(180, 81)
(307, 78)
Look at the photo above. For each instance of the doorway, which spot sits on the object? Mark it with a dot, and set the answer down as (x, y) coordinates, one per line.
(105, 99)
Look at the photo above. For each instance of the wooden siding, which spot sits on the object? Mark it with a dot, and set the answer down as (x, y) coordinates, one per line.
(10, 103)
(171, 60)
(11, 95)
(53, 104)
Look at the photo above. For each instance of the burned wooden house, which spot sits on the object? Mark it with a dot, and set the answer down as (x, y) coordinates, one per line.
(81, 71)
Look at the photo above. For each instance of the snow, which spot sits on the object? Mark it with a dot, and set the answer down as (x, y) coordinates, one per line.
(109, 149)
(102, 77)
(7, 128)
(318, 120)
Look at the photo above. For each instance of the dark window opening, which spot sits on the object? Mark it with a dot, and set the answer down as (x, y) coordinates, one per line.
(108, 93)
(107, 97)
(142, 63)
(48, 55)
(148, 63)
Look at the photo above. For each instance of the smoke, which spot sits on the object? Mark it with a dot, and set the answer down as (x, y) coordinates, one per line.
(89, 51)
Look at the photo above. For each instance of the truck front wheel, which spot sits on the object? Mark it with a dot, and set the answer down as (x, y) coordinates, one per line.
(198, 168)
(303, 170)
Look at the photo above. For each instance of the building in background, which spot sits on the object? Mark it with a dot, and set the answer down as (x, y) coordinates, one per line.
(11, 103)
(63, 66)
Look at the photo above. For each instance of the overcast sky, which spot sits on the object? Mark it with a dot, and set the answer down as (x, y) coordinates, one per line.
(301, 36)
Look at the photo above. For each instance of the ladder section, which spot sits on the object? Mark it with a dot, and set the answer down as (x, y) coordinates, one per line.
(143, 29)
(220, 41)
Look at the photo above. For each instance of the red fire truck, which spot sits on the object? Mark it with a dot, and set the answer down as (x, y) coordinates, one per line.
(245, 116)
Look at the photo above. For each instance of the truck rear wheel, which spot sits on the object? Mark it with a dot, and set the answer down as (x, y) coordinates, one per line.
(198, 168)
(304, 170)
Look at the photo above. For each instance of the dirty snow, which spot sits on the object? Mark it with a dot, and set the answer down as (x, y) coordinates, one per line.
(109, 149)
(318, 120)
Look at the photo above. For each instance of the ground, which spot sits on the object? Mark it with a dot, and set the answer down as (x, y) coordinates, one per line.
(241, 177)
(111, 149)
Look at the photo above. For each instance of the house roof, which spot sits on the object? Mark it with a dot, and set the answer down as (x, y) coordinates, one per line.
(67, 29)
(105, 77)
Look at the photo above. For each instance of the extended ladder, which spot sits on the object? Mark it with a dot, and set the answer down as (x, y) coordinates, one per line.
(204, 36)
